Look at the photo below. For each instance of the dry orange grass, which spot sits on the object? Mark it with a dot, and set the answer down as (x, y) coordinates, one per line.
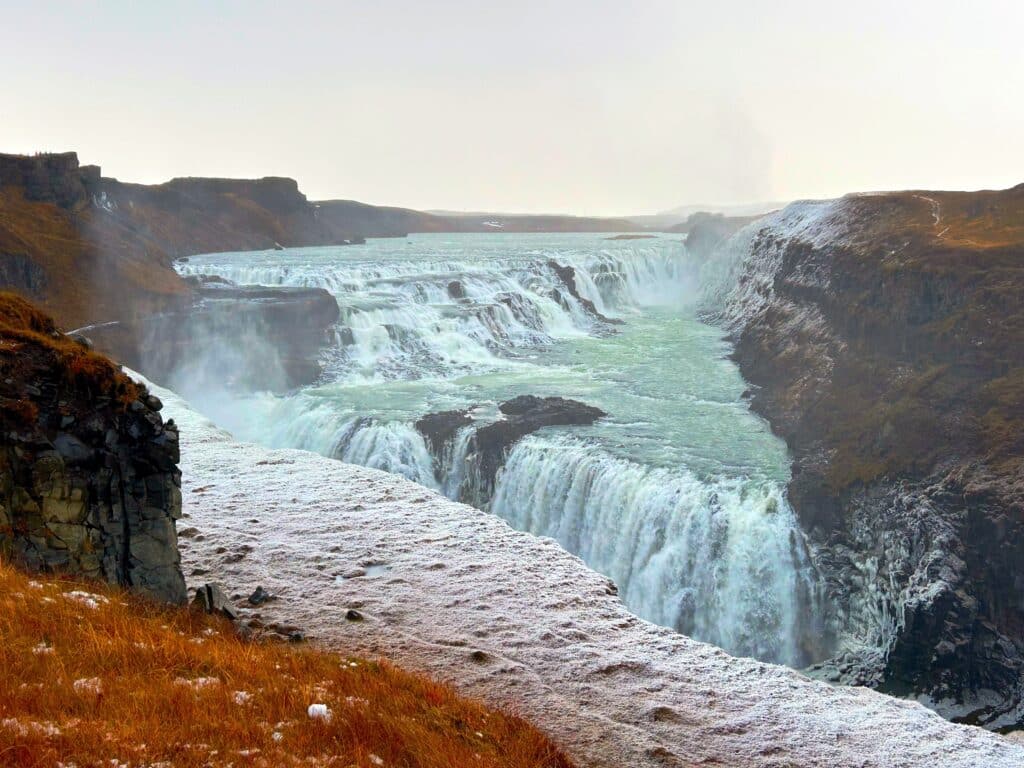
(90, 675)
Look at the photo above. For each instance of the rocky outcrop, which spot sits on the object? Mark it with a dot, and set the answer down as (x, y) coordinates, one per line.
(284, 328)
(57, 248)
(89, 482)
(884, 335)
(51, 178)
(439, 429)
(491, 442)
(524, 415)
(567, 274)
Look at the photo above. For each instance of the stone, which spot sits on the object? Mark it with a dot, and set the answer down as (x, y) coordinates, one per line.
(260, 596)
(98, 498)
(211, 598)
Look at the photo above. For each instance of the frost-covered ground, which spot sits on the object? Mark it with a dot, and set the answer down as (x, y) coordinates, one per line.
(519, 622)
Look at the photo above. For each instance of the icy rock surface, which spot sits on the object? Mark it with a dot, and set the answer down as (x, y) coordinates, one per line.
(518, 621)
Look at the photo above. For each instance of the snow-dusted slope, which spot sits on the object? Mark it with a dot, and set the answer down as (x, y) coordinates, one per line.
(520, 622)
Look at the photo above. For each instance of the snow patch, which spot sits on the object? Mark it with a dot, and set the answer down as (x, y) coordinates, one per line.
(319, 712)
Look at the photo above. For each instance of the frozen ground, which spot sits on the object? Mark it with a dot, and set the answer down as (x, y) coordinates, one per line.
(518, 621)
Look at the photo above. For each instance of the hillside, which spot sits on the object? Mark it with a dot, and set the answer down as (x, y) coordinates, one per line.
(58, 248)
(92, 675)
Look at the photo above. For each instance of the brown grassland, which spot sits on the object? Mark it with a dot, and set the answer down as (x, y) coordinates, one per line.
(91, 675)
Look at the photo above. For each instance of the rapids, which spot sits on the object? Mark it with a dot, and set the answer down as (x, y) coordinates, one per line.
(678, 495)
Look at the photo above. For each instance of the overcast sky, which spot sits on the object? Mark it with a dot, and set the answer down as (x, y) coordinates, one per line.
(561, 105)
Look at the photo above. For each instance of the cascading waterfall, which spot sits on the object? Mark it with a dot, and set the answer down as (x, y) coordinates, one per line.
(720, 560)
(677, 496)
(408, 318)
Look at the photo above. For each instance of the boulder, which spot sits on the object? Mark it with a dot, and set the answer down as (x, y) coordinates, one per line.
(211, 598)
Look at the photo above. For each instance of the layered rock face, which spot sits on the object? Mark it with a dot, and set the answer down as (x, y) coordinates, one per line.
(60, 248)
(89, 482)
(885, 337)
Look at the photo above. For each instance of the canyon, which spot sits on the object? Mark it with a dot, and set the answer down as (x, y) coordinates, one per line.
(834, 485)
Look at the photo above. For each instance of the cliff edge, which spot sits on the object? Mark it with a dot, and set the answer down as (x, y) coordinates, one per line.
(89, 482)
(884, 335)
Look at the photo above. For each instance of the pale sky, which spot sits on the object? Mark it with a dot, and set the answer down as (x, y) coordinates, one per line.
(558, 106)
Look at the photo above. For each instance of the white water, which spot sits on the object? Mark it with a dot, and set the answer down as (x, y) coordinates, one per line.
(677, 495)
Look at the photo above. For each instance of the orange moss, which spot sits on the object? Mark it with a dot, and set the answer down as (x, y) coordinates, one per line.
(92, 677)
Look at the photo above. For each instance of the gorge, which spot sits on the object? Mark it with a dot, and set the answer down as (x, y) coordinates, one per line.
(727, 430)
(863, 579)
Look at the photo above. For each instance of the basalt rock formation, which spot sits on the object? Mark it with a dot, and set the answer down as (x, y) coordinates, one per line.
(491, 442)
(884, 335)
(89, 482)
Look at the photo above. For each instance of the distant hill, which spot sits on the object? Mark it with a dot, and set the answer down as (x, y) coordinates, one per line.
(672, 218)
(382, 221)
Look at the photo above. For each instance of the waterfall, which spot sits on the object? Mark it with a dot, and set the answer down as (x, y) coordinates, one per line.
(406, 319)
(721, 560)
(712, 549)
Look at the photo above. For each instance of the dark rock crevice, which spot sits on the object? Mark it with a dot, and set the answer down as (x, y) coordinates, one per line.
(567, 275)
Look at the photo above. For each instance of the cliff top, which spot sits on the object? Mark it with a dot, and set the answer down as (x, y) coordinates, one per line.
(34, 355)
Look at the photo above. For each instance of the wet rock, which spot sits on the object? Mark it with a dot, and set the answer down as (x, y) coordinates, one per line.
(353, 615)
(440, 428)
(211, 598)
(567, 275)
(260, 596)
(456, 290)
(523, 416)
(491, 443)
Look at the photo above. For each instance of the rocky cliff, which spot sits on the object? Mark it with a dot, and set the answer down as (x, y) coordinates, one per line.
(884, 335)
(89, 483)
(58, 247)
